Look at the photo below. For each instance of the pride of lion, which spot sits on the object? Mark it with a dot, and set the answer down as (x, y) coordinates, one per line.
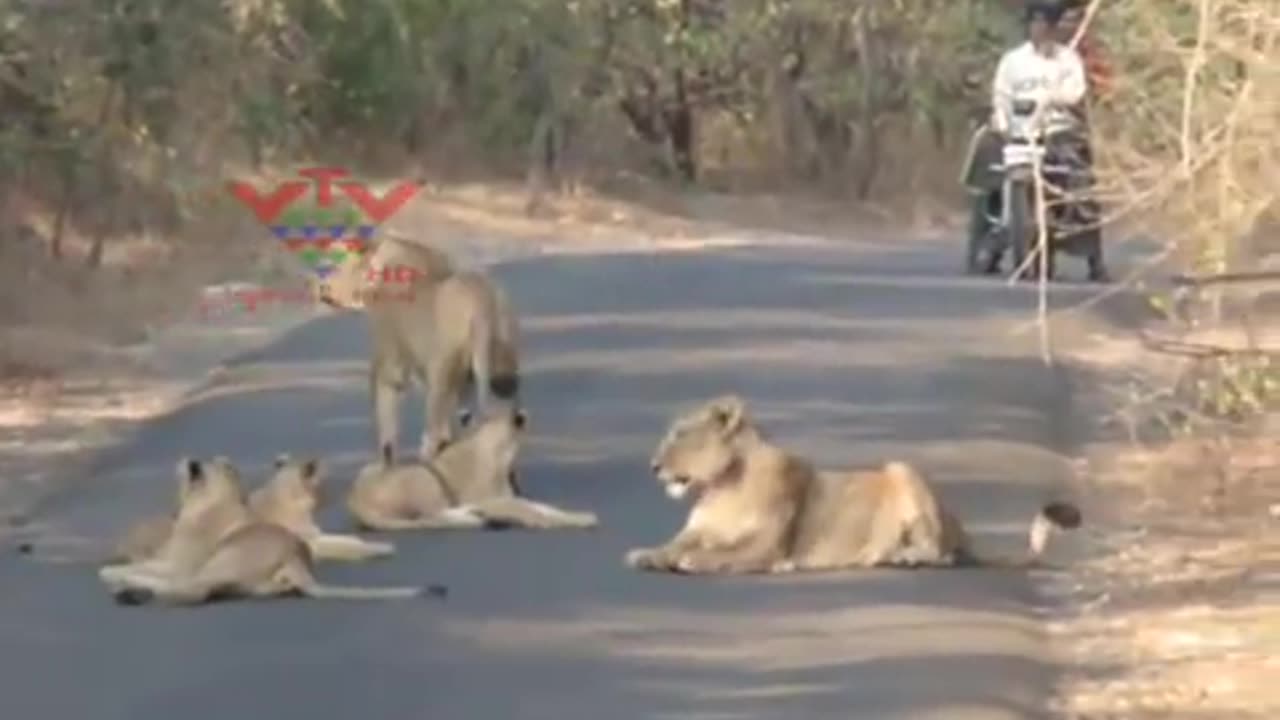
(755, 506)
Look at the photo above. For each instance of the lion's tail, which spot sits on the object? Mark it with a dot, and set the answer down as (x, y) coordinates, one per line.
(496, 355)
(455, 518)
(504, 372)
(300, 577)
(342, 592)
(1052, 517)
(329, 546)
(1059, 515)
(521, 512)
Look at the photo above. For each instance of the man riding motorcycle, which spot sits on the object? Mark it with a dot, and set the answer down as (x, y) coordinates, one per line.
(1051, 74)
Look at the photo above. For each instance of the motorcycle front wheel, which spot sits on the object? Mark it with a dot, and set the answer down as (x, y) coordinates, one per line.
(1020, 225)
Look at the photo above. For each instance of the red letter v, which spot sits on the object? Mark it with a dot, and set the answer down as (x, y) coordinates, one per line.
(379, 209)
(267, 208)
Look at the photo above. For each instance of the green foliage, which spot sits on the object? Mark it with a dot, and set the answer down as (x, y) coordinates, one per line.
(165, 91)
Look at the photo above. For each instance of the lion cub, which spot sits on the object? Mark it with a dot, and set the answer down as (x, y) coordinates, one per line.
(759, 509)
(469, 484)
(216, 549)
(289, 498)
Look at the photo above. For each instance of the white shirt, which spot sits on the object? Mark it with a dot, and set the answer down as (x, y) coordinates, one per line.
(1024, 74)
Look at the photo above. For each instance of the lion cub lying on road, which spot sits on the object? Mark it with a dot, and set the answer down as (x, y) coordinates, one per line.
(289, 499)
(760, 509)
(469, 484)
(217, 549)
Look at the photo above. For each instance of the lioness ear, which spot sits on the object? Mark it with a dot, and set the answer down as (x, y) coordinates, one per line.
(729, 411)
(311, 472)
(520, 419)
(281, 460)
(192, 469)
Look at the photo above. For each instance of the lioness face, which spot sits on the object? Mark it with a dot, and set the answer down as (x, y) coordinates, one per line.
(698, 450)
(299, 481)
(343, 288)
(203, 484)
(497, 437)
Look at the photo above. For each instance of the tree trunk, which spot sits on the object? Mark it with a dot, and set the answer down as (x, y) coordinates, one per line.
(542, 162)
(680, 130)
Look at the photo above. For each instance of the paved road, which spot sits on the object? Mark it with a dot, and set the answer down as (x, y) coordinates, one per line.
(849, 356)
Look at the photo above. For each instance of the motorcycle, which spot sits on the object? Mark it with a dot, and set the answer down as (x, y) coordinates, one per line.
(1004, 217)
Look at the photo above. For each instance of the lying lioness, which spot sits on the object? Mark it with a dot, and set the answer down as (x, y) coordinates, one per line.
(217, 549)
(469, 484)
(761, 509)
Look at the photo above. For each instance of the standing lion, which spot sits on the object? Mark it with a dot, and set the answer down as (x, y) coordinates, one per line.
(451, 330)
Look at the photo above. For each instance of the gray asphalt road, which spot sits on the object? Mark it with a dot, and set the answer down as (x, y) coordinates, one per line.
(848, 356)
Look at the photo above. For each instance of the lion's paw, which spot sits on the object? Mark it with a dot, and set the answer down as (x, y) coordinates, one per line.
(689, 565)
(642, 559)
(700, 564)
(784, 566)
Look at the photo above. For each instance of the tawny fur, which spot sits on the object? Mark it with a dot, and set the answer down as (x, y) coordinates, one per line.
(760, 509)
(451, 331)
(217, 549)
(143, 539)
(290, 499)
(470, 484)
(356, 280)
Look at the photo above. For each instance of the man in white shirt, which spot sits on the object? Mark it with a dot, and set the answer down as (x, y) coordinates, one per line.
(1052, 75)
(1040, 70)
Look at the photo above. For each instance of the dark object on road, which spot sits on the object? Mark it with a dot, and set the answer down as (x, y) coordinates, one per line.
(1064, 515)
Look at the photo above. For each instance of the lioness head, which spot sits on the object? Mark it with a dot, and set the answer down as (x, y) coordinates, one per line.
(498, 434)
(483, 456)
(393, 267)
(203, 484)
(298, 482)
(344, 286)
(701, 446)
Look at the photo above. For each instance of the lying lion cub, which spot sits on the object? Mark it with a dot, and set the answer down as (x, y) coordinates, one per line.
(217, 549)
(469, 484)
(289, 499)
(760, 509)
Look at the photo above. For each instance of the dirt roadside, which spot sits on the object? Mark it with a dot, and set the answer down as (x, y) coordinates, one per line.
(1176, 614)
